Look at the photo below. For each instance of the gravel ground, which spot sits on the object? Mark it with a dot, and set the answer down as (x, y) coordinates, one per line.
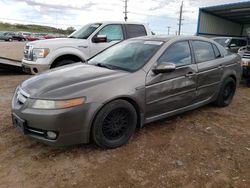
(208, 147)
(6, 50)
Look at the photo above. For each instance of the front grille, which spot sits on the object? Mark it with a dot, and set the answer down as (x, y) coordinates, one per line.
(21, 96)
(28, 52)
(246, 55)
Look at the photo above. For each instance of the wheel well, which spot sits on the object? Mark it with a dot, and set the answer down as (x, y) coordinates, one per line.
(233, 76)
(68, 56)
(137, 109)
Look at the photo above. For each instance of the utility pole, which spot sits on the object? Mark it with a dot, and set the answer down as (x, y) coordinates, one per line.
(125, 10)
(180, 18)
(168, 30)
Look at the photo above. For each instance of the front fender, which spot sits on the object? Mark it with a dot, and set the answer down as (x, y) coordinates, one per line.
(66, 51)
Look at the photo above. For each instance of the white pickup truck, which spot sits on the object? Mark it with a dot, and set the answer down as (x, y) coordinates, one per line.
(79, 46)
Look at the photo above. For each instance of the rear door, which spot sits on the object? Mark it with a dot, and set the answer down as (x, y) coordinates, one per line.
(171, 91)
(134, 30)
(210, 68)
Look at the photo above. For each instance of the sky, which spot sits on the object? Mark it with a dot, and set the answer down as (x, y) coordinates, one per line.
(158, 14)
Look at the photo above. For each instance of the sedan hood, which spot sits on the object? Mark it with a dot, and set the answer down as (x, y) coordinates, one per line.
(68, 81)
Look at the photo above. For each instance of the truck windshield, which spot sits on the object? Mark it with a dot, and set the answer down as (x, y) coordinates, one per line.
(222, 41)
(85, 31)
(128, 55)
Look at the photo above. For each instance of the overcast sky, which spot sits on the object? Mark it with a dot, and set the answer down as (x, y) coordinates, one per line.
(159, 14)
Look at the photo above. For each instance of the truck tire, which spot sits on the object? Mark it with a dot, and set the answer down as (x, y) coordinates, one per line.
(114, 124)
(226, 93)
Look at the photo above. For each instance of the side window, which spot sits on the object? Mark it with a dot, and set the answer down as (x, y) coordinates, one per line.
(113, 32)
(179, 53)
(242, 42)
(203, 51)
(216, 51)
(234, 41)
(134, 30)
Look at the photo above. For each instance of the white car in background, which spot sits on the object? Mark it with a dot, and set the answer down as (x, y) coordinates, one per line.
(84, 43)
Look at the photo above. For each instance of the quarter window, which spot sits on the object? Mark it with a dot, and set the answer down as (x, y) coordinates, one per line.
(203, 51)
(113, 32)
(134, 30)
(178, 53)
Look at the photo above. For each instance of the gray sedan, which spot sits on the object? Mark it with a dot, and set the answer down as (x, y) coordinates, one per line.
(135, 82)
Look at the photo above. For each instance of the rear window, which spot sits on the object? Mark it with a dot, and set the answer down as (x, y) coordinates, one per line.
(203, 51)
(134, 30)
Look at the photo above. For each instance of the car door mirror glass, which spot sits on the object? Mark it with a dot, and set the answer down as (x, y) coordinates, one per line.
(100, 38)
(164, 68)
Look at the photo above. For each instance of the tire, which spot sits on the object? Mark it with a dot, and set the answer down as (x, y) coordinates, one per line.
(114, 124)
(63, 62)
(10, 40)
(226, 93)
(248, 82)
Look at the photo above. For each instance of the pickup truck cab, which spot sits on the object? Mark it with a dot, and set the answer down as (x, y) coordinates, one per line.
(79, 46)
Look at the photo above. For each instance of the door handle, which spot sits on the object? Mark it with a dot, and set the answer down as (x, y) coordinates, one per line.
(221, 67)
(190, 74)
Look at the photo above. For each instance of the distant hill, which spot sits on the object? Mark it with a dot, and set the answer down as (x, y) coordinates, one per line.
(33, 28)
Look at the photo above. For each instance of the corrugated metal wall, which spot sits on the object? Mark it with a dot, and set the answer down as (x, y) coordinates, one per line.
(245, 28)
(213, 25)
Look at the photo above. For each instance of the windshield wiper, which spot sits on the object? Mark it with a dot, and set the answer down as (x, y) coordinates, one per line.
(72, 37)
(104, 65)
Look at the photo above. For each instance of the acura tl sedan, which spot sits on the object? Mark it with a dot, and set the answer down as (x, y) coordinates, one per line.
(135, 82)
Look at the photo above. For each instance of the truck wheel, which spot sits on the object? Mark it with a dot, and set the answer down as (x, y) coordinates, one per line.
(10, 40)
(226, 93)
(63, 62)
(114, 124)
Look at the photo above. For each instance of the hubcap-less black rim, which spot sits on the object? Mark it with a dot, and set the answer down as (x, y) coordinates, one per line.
(228, 92)
(116, 124)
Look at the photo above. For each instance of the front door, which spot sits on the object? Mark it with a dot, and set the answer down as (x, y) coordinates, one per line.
(114, 34)
(167, 92)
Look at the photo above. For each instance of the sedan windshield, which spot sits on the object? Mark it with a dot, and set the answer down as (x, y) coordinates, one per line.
(128, 55)
(85, 31)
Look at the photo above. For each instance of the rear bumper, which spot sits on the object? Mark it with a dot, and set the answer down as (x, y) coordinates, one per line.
(32, 67)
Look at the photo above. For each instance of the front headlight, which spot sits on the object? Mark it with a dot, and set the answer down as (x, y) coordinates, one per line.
(57, 104)
(40, 53)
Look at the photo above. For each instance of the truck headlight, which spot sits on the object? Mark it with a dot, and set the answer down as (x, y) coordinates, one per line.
(57, 104)
(40, 53)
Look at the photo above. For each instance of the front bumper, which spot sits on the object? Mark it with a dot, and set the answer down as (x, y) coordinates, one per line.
(72, 125)
(34, 67)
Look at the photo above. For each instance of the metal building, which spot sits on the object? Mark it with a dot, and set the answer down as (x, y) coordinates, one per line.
(225, 20)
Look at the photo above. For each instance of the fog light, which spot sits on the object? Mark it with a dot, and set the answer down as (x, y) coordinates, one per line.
(35, 70)
(51, 135)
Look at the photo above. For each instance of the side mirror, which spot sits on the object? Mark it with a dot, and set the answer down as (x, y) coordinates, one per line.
(164, 68)
(99, 38)
(232, 45)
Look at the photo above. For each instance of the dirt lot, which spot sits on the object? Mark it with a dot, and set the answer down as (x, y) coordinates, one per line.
(6, 50)
(208, 147)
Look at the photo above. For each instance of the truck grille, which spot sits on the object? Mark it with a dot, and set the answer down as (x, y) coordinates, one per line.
(28, 55)
(246, 55)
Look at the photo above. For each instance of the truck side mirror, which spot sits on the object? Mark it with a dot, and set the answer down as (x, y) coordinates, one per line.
(99, 38)
(232, 45)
